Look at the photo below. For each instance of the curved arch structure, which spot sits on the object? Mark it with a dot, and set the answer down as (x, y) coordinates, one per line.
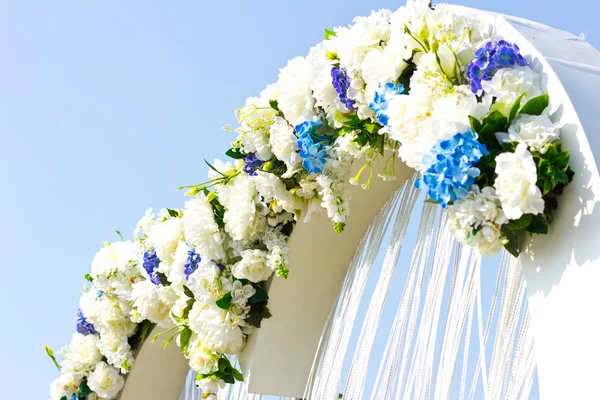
(562, 269)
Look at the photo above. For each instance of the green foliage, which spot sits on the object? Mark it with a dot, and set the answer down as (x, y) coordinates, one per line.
(218, 209)
(407, 73)
(225, 371)
(141, 334)
(494, 122)
(50, 353)
(259, 295)
(487, 168)
(338, 227)
(274, 105)
(539, 224)
(258, 312)
(225, 301)
(84, 390)
(521, 223)
(173, 213)
(515, 109)
(236, 154)
(513, 245)
(184, 339)
(367, 133)
(552, 168)
(536, 106)
(88, 277)
(329, 34)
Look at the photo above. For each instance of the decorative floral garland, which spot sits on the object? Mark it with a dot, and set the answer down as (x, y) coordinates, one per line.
(461, 106)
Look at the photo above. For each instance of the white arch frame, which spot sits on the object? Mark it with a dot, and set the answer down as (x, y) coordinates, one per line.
(562, 269)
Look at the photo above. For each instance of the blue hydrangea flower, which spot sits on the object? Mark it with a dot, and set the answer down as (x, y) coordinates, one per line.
(192, 263)
(312, 146)
(340, 82)
(150, 264)
(383, 95)
(449, 167)
(83, 325)
(491, 58)
(252, 164)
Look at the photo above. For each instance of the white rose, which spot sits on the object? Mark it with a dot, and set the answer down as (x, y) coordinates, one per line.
(153, 303)
(536, 131)
(252, 266)
(207, 282)
(516, 183)
(202, 359)
(510, 83)
(218, 329)
(105, 381)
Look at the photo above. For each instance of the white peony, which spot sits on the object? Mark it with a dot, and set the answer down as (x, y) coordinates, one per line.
(207, 283)
(105, 381)
(295, 99)
(510, 83)
(252, 266)
(115, 268)
(83, 354)
(164, 237)
(218, 329)
(64, 386)
(117, 350)
(516, 183)
(242, 221)
(284, 144)
(107, 313)
(201, 229)
(153, 303)
(202, 359)
(536, 131)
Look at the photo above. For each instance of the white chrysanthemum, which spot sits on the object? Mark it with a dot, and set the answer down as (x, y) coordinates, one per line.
(117, 350)
(284, 145)
(105, 381)
(274, 193)
(252, 266)
(202, 359)
(240, 293)
(115, 268)
(64, 386)
(83, 354)
(207, 283)
(242, 221)
(164, 237)
(153, 303)
(107, 313)
(143, 223)
(218, 329)
(508, 84)
(516, 183)
(536, 131)
(295, 96)
(201, 229)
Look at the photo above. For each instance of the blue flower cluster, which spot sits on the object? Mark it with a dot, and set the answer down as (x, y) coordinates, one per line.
(449, 167)
(252, 164)
(150, 264)
(491, 58)
(83, 325)
(383, 95)
(312, 146)
(192, 263)
(340, 82)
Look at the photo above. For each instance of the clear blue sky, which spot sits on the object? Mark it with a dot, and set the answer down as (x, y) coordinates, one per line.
(107, 106)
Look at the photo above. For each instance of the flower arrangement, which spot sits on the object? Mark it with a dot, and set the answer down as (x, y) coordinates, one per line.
(432, 87)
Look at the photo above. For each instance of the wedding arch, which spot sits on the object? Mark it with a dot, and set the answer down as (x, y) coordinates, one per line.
(493, 116)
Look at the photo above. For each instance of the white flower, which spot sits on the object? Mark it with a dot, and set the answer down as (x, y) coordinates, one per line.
(116, 267)
(284, 144)
(164, 238)
(252, 266)
(208, 385)
(240, 293)
(117, 350)
(295, 96)
(201, 229)
(83, 354)
(516, 183)
(273, 191)
(207, 283)
(224, 168)
(106, 313)
(241, 218)
(105, 381)
(153, 303)
(510, 83)
(218, 329)
(255, 119)
(202, 359)
(536, 131)
(143, 223)
(487, 239)
(64, 386)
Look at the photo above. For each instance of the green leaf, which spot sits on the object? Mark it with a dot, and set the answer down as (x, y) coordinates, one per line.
(274, 105)
(259, 295)
(64, 398)
(144, 329)
(228, 379)
(173, 213)
(188, 292)
(521, 223)
(513, 246)
(495, 118)
(538, 225)
(84, 390)
(185, 338)
(329, 34)
(236, 154)
(223, 364)
(515, 109)
(213, 168)
(237, 375)
(536, 106)
(224, 302)
(475, 124)
(88, 278)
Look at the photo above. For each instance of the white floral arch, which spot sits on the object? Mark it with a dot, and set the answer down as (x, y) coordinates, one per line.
(561, 269)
